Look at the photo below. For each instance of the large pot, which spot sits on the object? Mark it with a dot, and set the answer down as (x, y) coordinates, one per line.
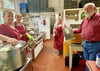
(12, 57)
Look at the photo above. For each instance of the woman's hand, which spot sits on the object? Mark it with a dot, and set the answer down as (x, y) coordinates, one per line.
(12, 41)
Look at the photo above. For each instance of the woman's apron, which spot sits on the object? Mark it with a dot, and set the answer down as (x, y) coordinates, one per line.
(59, 38)
(22, 31)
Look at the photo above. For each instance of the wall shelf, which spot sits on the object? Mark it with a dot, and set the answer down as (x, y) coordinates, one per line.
(75, 15)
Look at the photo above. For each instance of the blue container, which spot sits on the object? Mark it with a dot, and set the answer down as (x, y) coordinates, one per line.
(23, 7)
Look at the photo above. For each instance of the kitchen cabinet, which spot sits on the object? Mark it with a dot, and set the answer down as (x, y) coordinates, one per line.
(36, 48)
(73, 14)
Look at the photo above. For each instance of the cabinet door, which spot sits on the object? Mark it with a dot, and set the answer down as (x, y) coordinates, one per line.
(38, 48)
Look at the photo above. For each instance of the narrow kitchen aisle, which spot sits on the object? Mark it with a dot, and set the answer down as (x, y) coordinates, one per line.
(49, 61)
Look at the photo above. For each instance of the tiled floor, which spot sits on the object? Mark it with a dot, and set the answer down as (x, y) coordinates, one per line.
(49, 61)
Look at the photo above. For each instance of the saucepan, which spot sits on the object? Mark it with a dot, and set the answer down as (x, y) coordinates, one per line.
(12, 57)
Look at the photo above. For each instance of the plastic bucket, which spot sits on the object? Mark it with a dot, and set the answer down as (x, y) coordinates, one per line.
(98, 60)
(23, 7)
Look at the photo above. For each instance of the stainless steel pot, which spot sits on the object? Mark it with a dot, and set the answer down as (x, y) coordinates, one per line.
(12, 57)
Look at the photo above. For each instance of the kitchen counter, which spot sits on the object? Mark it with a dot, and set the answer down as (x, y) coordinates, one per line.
(39, 37)
(28, 66)
(36, 47)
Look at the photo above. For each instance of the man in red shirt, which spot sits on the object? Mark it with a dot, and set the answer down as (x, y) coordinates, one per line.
(90, 32)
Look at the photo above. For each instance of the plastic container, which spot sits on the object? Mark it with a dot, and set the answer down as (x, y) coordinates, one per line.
(23, 7)
(98, 60)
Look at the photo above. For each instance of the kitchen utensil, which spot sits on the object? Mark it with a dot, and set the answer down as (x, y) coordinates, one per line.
(12, 57)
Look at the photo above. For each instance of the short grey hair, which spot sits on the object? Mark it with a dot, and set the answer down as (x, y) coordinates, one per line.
(6, 11)
(87, 4)
(18, 14)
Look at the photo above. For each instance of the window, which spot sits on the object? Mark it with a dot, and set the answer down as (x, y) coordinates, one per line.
(0, 3)
(1, 18)
(8, 4)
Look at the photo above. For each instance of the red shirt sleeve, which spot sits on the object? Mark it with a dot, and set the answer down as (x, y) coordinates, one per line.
(78, 30)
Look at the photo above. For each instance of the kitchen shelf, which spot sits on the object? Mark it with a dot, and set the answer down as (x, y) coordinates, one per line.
(72, 17)
(72, 11)
(76, 14)
(72, 14)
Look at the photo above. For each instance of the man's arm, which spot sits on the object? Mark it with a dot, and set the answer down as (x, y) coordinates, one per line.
(78, 30)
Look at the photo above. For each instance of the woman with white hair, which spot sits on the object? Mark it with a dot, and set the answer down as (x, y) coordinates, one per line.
(90, 32)
(20, 27)
(58, 35)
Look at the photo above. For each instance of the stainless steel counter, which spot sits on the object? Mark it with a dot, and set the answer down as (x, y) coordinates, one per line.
(37, 40)
(28, 65)
(36, 47)
(39, 37)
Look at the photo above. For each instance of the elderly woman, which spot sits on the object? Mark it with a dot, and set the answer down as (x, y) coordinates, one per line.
(58, 35)
(20, 27)
(8, 32)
